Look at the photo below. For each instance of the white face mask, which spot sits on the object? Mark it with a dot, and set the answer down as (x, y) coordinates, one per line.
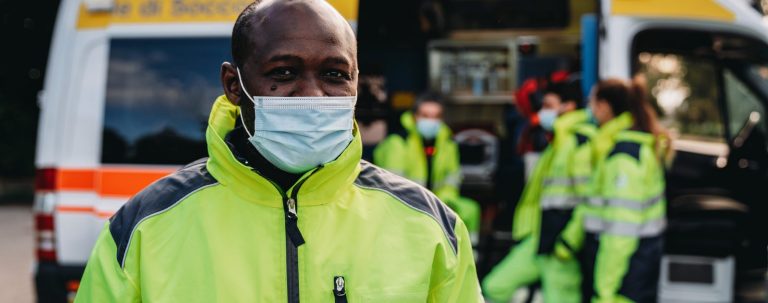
(297, 134)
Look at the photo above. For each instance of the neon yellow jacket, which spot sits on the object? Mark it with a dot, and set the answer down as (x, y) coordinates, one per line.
(560, 180)
(216, 231)
(625, 216)
(403, 154)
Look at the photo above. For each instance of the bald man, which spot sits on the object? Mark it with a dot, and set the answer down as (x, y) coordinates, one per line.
(284, 210)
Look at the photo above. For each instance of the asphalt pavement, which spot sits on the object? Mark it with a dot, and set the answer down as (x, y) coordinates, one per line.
(16, 254)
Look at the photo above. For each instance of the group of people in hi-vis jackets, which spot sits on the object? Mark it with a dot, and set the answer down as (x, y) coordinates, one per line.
(589, 225)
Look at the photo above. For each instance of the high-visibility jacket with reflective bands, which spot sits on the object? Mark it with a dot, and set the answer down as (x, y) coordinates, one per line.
(217, 231)
(567, 182)
(625, 216)
(559, 183)
(403, 154)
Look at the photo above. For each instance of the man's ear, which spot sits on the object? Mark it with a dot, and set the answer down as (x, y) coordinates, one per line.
(230, 83)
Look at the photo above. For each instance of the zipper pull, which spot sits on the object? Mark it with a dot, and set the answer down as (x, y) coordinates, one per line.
(292, 207)
(339, 289)
(292, 223)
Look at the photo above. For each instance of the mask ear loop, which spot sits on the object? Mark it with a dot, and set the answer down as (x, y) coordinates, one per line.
(240, 78)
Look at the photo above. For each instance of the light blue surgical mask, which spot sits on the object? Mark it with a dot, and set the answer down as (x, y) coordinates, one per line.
(428, 128)
(547, 119)
(297, 134)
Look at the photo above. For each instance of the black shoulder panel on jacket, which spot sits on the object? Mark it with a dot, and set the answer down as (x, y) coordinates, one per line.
(410, 194)
(156, 198)
(581, 139)
(625, 147)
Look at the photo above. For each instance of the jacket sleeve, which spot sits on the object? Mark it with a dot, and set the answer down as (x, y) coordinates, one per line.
(104, 279)
(623, 190)
(527, 215)
(455, 278)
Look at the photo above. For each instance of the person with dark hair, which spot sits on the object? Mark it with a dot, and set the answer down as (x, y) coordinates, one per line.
(542, 100)
(557, 185)
(284, 210)
(625, 216)
(425, 153)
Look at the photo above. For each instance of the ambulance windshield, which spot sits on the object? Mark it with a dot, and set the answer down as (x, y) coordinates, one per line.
(159, 93)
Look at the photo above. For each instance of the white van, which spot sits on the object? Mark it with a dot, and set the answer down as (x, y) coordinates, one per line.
(126, 99)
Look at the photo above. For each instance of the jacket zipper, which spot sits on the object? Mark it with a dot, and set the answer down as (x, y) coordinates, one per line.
(293, 240)
(339, 290)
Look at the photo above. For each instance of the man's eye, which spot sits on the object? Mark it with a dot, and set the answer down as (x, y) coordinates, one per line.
(282, 74)
(337, 75)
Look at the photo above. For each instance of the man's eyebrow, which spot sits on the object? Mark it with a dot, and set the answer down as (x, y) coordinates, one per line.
(286, 57)
(336, 60)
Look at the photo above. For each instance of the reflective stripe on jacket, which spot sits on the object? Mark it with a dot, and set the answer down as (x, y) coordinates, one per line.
(217, 231)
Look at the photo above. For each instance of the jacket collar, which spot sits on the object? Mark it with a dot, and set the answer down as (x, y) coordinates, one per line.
(568, 124)
(617, 124)
(321, 185)
(569, 120)
(606, 135)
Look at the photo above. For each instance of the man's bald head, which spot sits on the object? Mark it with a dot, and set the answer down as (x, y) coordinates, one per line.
(273, 15)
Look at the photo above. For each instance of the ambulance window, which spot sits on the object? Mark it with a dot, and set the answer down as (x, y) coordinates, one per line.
(741, 101)
(159, 94)
(682, 90)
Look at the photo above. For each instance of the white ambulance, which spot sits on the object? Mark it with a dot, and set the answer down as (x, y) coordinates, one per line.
(126, 98)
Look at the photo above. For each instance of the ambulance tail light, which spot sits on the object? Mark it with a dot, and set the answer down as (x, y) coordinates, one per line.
(45, 179)
(45, 204)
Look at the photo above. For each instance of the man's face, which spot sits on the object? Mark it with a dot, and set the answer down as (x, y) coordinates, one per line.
(297, 49)
(429, 110)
